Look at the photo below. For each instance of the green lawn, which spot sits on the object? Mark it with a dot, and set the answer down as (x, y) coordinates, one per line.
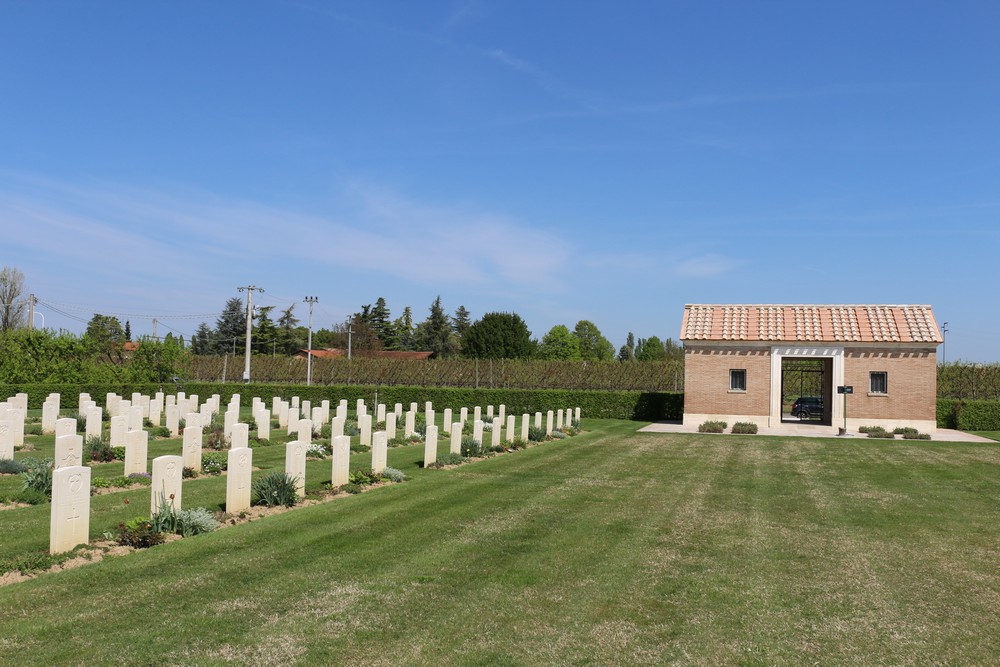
(608, 548)
(993, 435)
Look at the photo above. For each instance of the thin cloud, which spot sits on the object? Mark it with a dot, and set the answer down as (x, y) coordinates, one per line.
(705, 266)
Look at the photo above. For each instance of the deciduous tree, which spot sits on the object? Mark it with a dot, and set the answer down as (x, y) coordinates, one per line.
(498, 336)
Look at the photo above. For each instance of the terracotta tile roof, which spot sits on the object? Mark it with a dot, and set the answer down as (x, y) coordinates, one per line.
(808, 323)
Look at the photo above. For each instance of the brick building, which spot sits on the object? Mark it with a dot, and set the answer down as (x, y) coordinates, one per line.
(753, 362)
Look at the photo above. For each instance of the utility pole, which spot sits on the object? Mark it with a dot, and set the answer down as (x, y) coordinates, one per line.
(249, 289)
(31, 312)
(309, 363)
(944, 343)
(350, 332)
(154, 329)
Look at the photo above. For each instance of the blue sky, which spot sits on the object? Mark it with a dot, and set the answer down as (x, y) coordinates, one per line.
(562, 160)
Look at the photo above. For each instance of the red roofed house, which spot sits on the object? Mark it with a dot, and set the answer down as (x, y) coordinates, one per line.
(753, 362)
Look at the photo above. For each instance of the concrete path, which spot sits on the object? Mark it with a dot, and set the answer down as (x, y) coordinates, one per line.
(811, 431)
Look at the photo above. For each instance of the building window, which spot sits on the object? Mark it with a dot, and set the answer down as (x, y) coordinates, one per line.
(738, 379)
(879, 382)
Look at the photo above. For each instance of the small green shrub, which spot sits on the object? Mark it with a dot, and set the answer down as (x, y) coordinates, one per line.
(450, 459)
(214, 464)
(558, 434)
(11, 467)
(364, 477)
(864, 429)
(143, 478)
(37, 476)
(34, 429)
(165, 519)
(713, 427)
(274, 490)
(255, 441)
(195, 521)
(353, 488)
(879, 432)
(317, 451)
(394, 475)
(81, 421)
(215, 438)
(119, 453)
(189, 473)
(357, 447)
(744, 428)
(916, 436)
(517, 443)
(159, 432)
(36, 561)
(100, 483)
(30, 497)
(398, 441)
(96, 449)
(138, 534)
(471, 447)
(121, 482)
(536, 434)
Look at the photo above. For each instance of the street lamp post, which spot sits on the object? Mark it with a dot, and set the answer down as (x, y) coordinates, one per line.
(944, 343)
(309, 357)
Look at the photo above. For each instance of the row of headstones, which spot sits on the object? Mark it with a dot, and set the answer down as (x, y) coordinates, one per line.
(12, 414)
(70, 514)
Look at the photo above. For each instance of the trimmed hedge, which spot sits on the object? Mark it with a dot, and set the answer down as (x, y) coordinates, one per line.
(647, 406)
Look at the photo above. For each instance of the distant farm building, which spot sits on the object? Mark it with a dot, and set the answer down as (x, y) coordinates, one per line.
(755, 362)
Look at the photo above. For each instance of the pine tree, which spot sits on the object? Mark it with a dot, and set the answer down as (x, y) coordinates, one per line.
(461, 322)
(265, 333)
(434, 334)
(289, 342)
(201, 341)
(231, 327)
(128, 331)
(404, 331)
(381, 323)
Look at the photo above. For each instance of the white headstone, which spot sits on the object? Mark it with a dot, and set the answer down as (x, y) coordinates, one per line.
(390, 425)
(136, 451)
(477, 431)
(238, 483)
(168, 471)
(173, 420)
(446, 424)
(456, 438)
(509, 434)
(119, 427)
(379, 451)
(408, 425)
(69, 451)
(559, 419)
(70, 514)
(6, 438)
(50, 413)
(94, 425)
(538, 420)
(295, 465)
(337, 427)
(477, 413)
(135, 418)
(463, 415)
(65, 426)
(230, 418)
(398, 409)
(305, 409)
(524, 426)
(430, 445)
(365, 426)
(341, 412)
(380, 412)
(263, 419)
(489, 413)
(192, 447)
(502, 412)
(413, 407)
(317, 416)
(341, 460)
(305, 431)
(548, 423)
(497, 432)
(576, 415)
(241, 436)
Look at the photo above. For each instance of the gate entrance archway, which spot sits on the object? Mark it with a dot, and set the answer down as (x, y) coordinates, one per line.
(806, 391)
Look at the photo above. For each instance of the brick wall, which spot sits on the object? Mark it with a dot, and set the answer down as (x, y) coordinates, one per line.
(706, 380)
(912, 383)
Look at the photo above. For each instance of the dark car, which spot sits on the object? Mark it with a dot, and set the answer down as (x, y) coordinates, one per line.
(806, 407)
